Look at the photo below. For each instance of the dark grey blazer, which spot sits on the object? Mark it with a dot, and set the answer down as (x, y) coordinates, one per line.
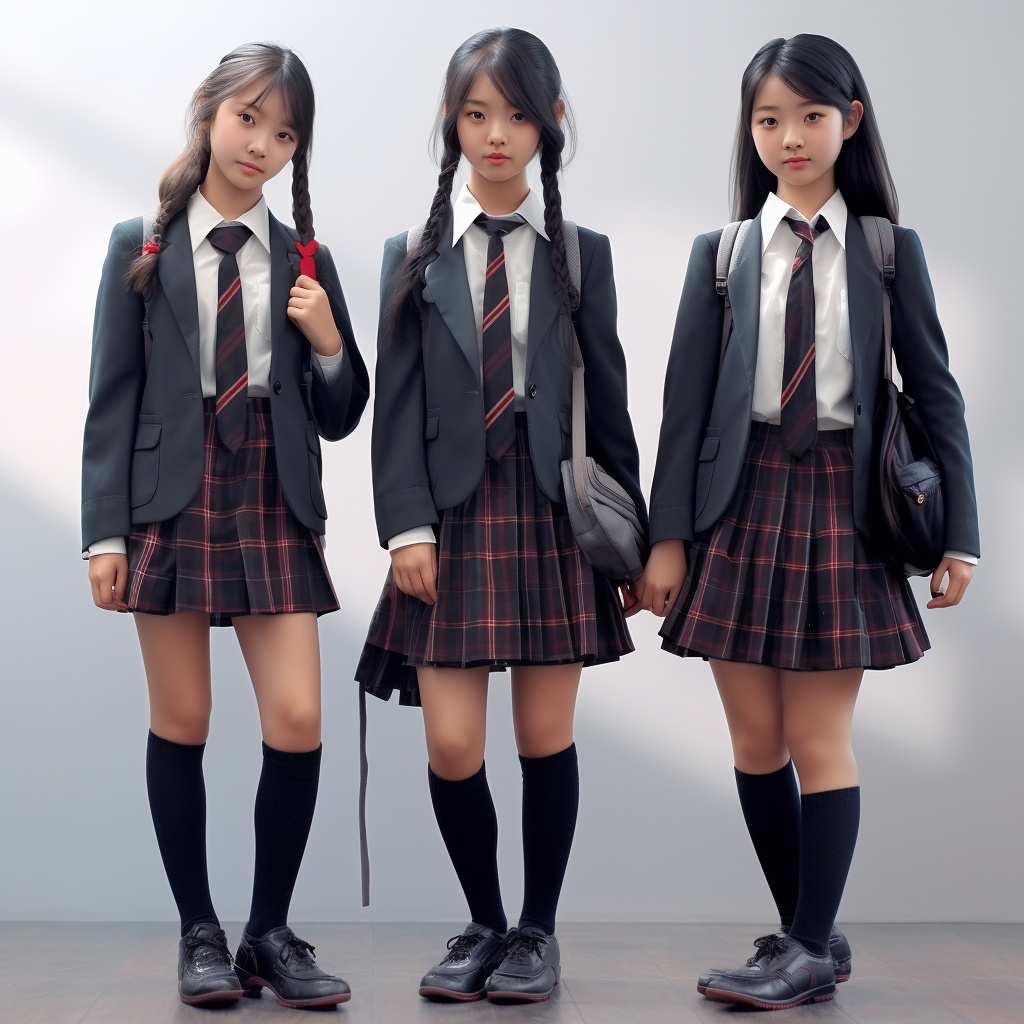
(143, 451)
(706, 423)
(428, 414)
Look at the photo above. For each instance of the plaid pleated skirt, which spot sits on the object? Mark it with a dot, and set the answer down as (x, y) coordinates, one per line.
(236, 548)
(784, 579)
(512, 589)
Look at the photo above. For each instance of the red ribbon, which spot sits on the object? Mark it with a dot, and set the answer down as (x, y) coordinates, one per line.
(306, 264)
(151, 246)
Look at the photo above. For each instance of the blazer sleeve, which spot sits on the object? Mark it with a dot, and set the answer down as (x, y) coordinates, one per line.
(919, 347)
(610, 438)
(117, 376)
(338, 406)
(689, 391)
(401, 487)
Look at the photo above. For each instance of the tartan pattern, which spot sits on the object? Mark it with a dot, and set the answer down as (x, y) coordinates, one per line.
(236, 549)
(499, 394)
(784, 579)
(232, 362)
(513, 589)
(799, 392)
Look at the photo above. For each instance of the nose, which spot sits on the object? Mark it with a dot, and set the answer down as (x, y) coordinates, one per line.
(258, 145)
(794, 138)
(496, 134)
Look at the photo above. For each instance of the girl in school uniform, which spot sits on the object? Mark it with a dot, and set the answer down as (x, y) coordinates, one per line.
(222, 348)
(471, 420)
(761, 510)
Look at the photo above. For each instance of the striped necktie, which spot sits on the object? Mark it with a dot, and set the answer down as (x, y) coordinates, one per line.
(232, 364)
(499, 417)
(799, 392)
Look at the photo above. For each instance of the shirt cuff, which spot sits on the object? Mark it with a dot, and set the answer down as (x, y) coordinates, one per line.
(329, 367)
(963, 557)
(107, 546)
(417, 535)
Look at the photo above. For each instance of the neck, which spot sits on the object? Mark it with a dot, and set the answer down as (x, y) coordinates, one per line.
(499, 198)
(230, 202)
(809, 198)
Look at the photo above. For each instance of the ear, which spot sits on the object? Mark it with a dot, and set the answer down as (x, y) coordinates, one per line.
(559, 112)
(852, 122)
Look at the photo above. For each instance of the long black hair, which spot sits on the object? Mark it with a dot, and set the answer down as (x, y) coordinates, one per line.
(821, 70)
(526, 74)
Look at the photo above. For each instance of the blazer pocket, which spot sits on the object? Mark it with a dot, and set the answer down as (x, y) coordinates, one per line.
(431, 429)
(565, 418)
(145, 463)
(706, 467)
(316, 491)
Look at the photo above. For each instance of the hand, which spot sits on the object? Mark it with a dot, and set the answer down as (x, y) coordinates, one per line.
(662, 579)
(310, 311)
(960, 574)
(630, 603)
(414, 570)
(108, 575)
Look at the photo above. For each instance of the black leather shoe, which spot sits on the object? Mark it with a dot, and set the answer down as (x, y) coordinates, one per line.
(284, 963)
(205, 973)
(530, 969)
(784, 975)
(463, 973)
(838, 946)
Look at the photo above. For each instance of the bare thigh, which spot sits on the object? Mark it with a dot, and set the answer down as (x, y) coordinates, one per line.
(818, 724)
(543, 707)
(454, 719)
(176, 653)
(282, 653)
(752, 698)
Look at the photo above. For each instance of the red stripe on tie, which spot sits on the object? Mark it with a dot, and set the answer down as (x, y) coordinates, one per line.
(232, 291)
(227, 347)
(500, 308)
(496, 264)
(499, 408)
(233, 391)
(498, 358)
(801, 371)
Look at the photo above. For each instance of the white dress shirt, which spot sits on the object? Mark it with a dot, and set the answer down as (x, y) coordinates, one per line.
(519, 246)
(253, 260)
(833, 346)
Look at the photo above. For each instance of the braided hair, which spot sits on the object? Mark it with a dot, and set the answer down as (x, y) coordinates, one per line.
(524, 72)
(242, 69)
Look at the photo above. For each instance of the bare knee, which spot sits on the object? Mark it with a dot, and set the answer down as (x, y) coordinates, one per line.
(293, 727)
(759, 749)
(818, 754)
(455, 755)
(181, 721)
(542, 738)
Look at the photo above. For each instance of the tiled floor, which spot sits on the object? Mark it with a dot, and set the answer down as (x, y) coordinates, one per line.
(63, 973)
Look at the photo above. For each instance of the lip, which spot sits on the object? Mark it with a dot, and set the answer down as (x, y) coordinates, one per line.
(250, 168)
(797, 161)
(497, 158)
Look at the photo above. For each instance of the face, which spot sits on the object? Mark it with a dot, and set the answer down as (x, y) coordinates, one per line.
(495, 137)
(251, 139)
(797, 139)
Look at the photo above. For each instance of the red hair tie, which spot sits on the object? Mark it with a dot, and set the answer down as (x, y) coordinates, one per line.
(306, 264)
(151, 246)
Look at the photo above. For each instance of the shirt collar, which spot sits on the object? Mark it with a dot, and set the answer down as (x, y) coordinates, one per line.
(775, 210)
(466, 209)
(203, 218)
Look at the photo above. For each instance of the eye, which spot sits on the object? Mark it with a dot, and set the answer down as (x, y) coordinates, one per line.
(476, 115)
(285, 137)
(518, 117)
(247, 118)
(769, 122)
(814, 117)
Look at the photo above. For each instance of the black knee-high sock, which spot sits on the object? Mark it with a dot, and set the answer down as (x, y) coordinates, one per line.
(177, 800)
(551, 799)
(465, 815)
(828, 835)
(285, 802)
(771, 809)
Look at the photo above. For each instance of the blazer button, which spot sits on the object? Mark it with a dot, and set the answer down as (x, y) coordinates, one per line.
(277, 387)
(533, 390)
(858, 408)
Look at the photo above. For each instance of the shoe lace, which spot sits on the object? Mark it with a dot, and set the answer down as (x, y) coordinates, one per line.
(768, 946)
(459, 946)
(298, 948)
(205, 947)
(519, 946)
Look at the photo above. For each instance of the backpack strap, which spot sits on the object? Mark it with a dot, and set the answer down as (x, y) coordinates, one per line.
(729, 248)
(571, 238)
(878, 234)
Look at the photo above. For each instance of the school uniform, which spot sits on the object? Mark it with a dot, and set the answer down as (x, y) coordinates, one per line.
(782, 566)
(513, 587)
(210, 529)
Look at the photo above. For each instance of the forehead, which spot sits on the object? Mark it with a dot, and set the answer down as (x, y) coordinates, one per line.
(483, 92)
(774, 94)
(269, 102)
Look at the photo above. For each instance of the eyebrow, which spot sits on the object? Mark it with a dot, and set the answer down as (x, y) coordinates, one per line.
(806, 103)
(259, 110)
(476, 103)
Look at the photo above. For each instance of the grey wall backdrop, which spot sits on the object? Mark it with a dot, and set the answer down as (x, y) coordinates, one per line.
(94, 96)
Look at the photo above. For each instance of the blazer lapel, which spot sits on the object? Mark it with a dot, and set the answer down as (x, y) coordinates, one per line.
(745, 297)
(543, 300)
(449, 290)
(864, 285)
(178, 280)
